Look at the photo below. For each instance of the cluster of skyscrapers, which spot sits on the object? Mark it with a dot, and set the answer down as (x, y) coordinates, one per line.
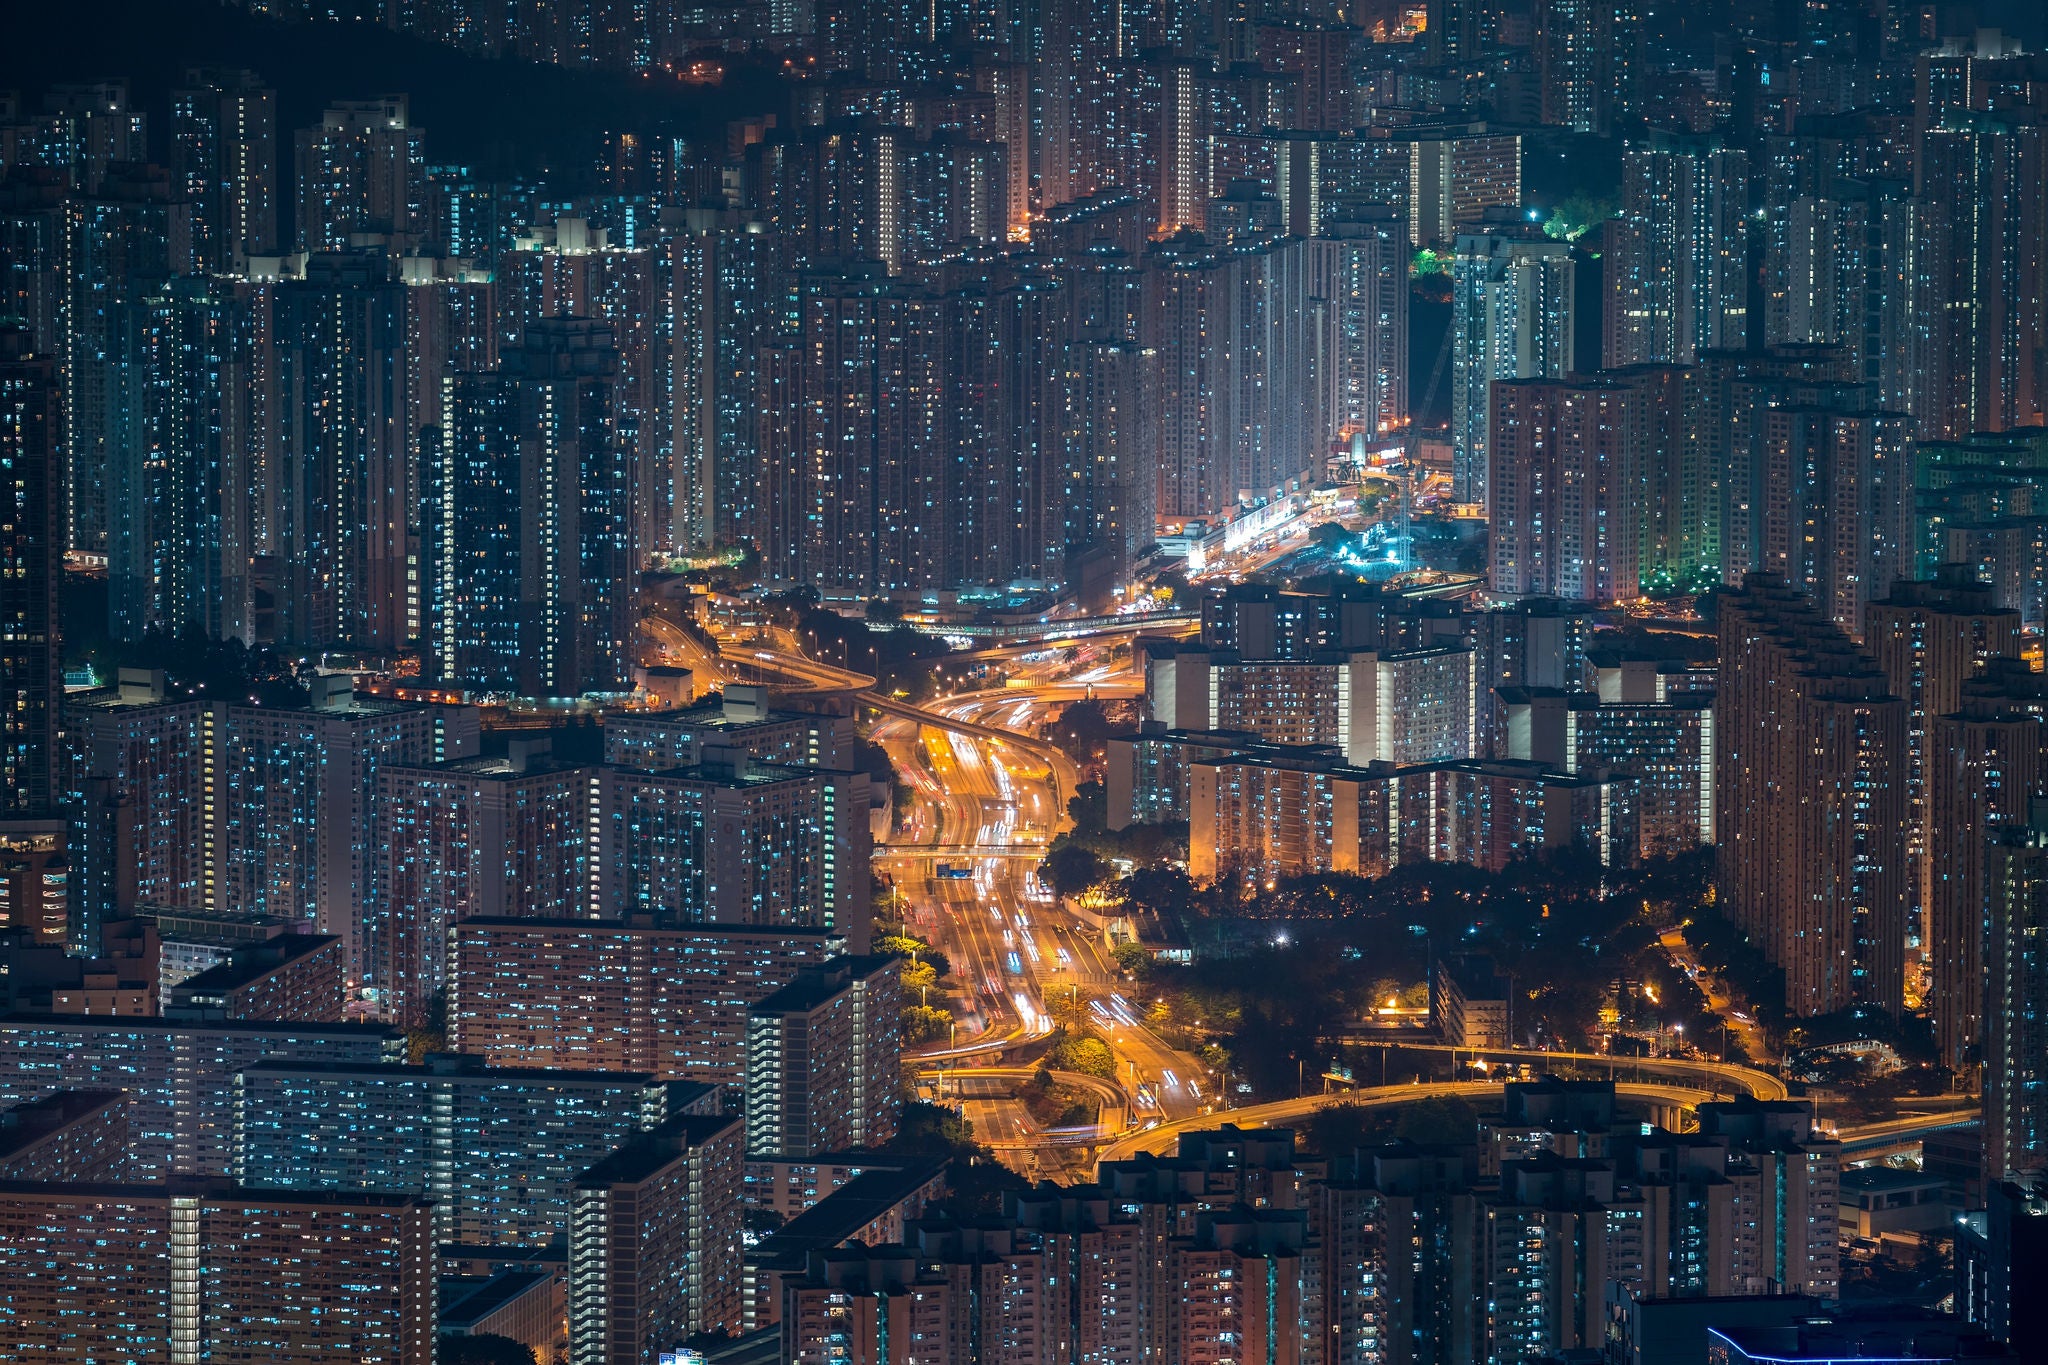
(1522, 1240)
(376, 821)
(1875, 798)
(1000, 298)
(1358, 729)
(401, 407)
(992, 305)
(230, 1164)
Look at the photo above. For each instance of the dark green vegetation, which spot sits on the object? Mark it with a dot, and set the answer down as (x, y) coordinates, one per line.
(196, 666)
(1079, 858)
(486, 1348)
(1055, 1104)
(978, 1180)
(899, 658)
(1280, 978)
(923, 965)
(1339, 1129)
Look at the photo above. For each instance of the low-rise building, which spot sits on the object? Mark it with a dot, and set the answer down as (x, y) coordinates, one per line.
(1470, 1004)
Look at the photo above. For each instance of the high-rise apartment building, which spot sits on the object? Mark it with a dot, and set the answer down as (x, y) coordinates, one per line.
(1487, 1250)
(1813, 806)
(954, 194)
(1789, 1187)
(66, 1135)
(1588, 60)
(1931, 638)
(822, 1058)
(738, 716)
(1839, 270)
(1783, 462)
(178, 475)
(205, 1269)
(654, 1242)
(1666, 744)
(836, 191)
(136, 781)
(1982, 178)
(179, 1074)
(1363, 264)
(477, 836)
(1818, 489)
(124, 240)
(1321, 179)
(1263, 812)
(1511, 318)
(1391, 706)
(285, 979)
(343, 483)
(1486, 814)
(735, 842)
(498, 1150)
(2014, 1032)
(1576, 472)
(730, 298)
(1459, 175)
(851, 505)
(250, 810)
(451, 327)
(1677, 276)
(956, 1294)
(93, 126)
(223, 157)
(992, 497)
(1972, 502)
(294, 826)
(1321, 54)
(1553, 1225)
(1372, 1216)
(362, 172)
(1532, 643)
(1232, 328)
(529, 549)
(1987, 761)
(1259, 621)
(572, 269)
(32, 492)
(1107, 388)
(34, 232)
(611, 996)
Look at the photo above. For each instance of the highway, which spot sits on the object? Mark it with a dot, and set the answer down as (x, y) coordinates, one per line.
(1724, 1077)
(986, 787)
(979, 781)
(986, 1083)
(1872, 1139)
(1165, 1137)
(1719, 999)
(987, 796)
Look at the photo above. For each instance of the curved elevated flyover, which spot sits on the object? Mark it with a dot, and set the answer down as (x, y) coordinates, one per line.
(1719, 1076)
(1166, 1136)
